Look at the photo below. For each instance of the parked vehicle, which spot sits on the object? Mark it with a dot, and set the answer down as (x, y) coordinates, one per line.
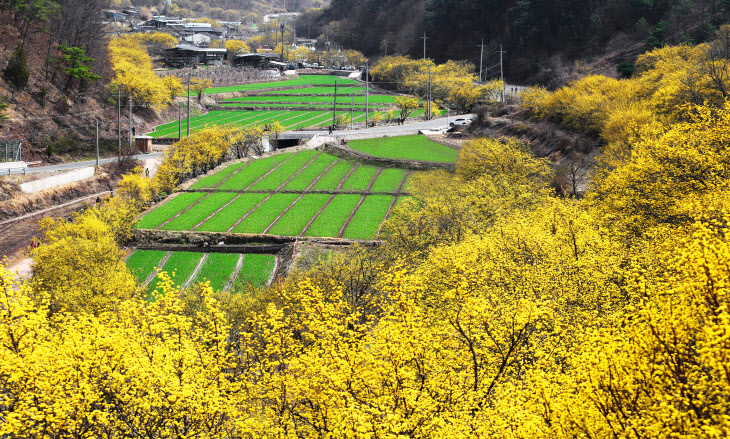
(460, 121)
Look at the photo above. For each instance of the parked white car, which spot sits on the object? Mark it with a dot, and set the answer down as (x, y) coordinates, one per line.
(460, 121)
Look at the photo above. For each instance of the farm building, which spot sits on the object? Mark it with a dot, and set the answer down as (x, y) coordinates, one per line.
(198, 39)
(185, 56)
(162, 21)
(256, 60)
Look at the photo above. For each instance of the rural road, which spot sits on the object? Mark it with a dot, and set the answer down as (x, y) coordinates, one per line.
(391, 130)
(386, 130)
(77, 165)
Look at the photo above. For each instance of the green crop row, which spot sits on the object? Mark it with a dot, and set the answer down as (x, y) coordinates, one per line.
(227, 218)
(304, 99)
(416, 147)
(333, 217)
(168, 210)
(344, 91)
(305, 178)
(215, 179)
(188, 220)
(256, 269)
(369, 216)
(218, 269)
(333, 177)
(304, 80)
(142, 262)
(275, 179)
(360, 179)
(294, 221)
(388, 180)
(180, 266)
(248, 175)
(262, 217)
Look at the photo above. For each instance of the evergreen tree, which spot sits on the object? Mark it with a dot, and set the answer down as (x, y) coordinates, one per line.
(16, 71)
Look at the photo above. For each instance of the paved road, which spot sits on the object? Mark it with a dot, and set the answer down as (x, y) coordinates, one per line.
(391, 130)
(75, 165)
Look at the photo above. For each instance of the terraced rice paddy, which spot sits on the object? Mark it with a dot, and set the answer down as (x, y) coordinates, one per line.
(186, 268)
(308, 193)
(373, 99)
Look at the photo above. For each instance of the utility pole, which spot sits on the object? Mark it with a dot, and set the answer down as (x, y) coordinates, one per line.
(282, 42)
(501, 69)
(97, 143)
(386, 47)
(334, 107)
(179, 121)
(424, 38)
(367, 95)
(119, 119)
(352, 111)
(481, 61)
(188, 127)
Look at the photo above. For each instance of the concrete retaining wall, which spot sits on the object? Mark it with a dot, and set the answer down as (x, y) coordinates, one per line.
(350, 154)
(57, 180)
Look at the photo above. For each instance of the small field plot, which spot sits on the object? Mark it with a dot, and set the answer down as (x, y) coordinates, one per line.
(369, 216)
(215, 179)
(416, 147)
(333, 217)
(360, 179)
(262, 217)
(142, 262)
(193, 217)
(303, 99)
(294, 221)
(333, 177)
(304, 80)
(256, 269)
(285, 171)
(344, 91)
(253, 172)
(180, 266)
(218, 268)
(226, 218)
(388, 180)
(310, 173)
(163, 213)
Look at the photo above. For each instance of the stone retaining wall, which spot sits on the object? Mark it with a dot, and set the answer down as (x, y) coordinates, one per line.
(197, 239)
(347, 153)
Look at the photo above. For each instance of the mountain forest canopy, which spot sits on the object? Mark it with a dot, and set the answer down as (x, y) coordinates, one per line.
(530, 30)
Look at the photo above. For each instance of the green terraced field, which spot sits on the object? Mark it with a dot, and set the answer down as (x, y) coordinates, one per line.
(344, 91)
(182, 264)
(253, 172)
(163, 213)
(304, 80)
(304, 99)
(416, 147)
(214, 180)
(142, 262)
(319, 107)
(277, 178)
(218, 269)
(226, 218)
(294, 221)
(262, 217)
(360, 179)
(334, 176)
(310, 173)
(193, 217)
(256, 269)
(333, 217)
(369, 216)
(388, 180)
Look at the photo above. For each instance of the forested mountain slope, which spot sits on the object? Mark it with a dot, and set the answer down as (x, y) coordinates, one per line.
(531, 31)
